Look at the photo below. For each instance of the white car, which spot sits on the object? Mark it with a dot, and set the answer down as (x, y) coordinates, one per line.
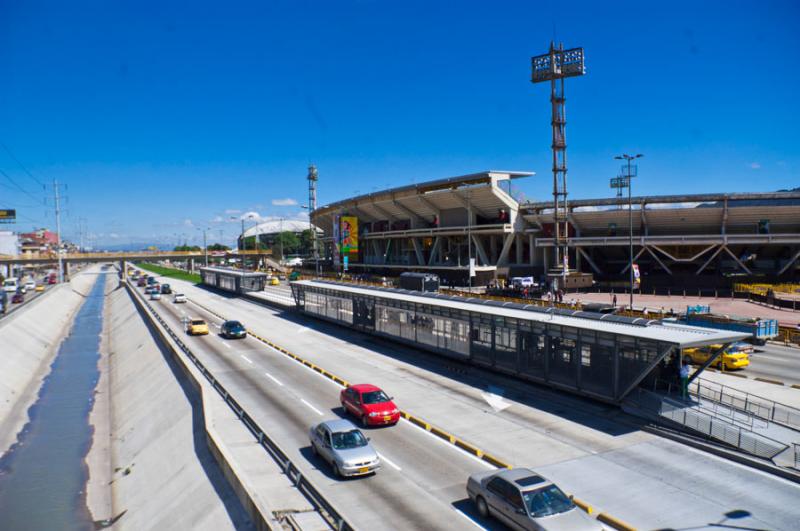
(179, 297)
(155, 296)
(31, 284)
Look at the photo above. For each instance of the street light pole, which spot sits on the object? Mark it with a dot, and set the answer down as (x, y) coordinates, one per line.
(628, 183)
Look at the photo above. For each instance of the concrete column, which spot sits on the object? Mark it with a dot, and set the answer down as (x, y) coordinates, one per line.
(531, 250)
(66, 270)
(546, 258)
(518, 243)
(190, 264)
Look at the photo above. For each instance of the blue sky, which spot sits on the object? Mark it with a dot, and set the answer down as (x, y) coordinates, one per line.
(164, 118)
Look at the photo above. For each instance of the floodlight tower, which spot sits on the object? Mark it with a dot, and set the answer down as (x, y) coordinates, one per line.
(555, 66)
(312, 206)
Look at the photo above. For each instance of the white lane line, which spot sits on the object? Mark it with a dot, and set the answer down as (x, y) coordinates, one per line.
(312, 407)
(245, 358)
(448, 444)
(268, 375)
(468, 517)
(225, 343)
(393, 465)
(337, 384)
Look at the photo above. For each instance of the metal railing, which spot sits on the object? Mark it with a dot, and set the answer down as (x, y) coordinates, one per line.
(708, 425)
(308, 490)
(758, 406)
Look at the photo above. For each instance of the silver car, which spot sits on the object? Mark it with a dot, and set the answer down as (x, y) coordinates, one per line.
(155, 296)
(343, 445)
(522, 499)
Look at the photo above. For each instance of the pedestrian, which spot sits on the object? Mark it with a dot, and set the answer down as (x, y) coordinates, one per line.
(684, 373)
(614, 301)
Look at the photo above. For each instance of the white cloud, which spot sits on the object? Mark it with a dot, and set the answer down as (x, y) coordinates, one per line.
(284, 202)
(217, 219)
(233, 211)
(113, 235)
(755, 166)
(188, 223)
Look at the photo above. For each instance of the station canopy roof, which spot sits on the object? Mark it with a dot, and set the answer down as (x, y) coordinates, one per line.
(682, 336)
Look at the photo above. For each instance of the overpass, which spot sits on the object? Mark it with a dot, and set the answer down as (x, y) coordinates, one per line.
(135, 256)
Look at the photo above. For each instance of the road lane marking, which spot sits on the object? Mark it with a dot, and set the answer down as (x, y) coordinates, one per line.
(383, 458)
(225, 343)
(245, 358)
(268, 375)
(312, 407)
(468, 517)
(449, 445)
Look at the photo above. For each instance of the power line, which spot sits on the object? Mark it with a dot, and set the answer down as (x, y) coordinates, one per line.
(20, 188)
(10, 154)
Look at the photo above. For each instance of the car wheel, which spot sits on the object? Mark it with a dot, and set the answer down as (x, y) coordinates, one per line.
(483, 509)
(314, 449)
(364, 421)
(689, 360)
(336, 471)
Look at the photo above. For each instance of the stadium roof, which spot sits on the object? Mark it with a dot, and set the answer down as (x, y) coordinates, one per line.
(275, 226)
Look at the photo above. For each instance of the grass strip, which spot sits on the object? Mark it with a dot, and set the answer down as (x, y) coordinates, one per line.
(171, 273)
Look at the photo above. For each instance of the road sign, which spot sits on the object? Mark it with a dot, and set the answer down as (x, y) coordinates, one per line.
(8, 215)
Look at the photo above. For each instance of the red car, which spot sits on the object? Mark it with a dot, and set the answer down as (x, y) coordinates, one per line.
(370, 405)
(18, 298)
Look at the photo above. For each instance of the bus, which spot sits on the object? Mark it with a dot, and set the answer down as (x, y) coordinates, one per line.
(10, 285)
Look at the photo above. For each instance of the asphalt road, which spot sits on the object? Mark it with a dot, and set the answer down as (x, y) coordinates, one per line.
(775, 362)
(592, 450)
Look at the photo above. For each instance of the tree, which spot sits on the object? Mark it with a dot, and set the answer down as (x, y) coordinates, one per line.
(306, 243)
(218, 247)
(193, 248)
(287, 241)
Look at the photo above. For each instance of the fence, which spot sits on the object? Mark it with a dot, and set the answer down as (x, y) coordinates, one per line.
(325, 509)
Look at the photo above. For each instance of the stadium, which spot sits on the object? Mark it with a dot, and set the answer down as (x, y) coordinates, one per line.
(708, 240)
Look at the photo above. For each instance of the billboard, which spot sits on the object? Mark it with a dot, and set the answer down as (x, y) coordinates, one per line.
(349, 235)
(336, 241)
(8, 215)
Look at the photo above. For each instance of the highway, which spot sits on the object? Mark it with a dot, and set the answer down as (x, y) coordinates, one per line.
(592, 450)
(775, 362)
(420, 476)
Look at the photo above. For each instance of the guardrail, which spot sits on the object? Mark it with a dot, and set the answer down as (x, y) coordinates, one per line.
(761, 407)
(308, 490)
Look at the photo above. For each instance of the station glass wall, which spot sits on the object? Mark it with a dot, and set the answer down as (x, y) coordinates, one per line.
(598, 363)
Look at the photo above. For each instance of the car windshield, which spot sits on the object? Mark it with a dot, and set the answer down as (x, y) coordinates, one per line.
(198, 323)
(234, 325)
(344, 440)
(375, 397)
(546, 501)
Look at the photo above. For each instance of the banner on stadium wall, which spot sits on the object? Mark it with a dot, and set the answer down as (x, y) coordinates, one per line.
(349, 232)
(636, 278)
(336, 241)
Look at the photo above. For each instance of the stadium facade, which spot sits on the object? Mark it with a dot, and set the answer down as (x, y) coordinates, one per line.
(439, 225)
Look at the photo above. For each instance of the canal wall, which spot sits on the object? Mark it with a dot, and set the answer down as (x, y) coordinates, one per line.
(29, 340)
(149, 464)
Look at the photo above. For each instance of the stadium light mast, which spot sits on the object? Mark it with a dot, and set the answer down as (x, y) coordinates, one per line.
(312, 177)
(555, 66)
(624, 181)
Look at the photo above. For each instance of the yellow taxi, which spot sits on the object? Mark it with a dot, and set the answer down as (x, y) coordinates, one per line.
(196, 327)
(734, 357)
(274, 281)
(39, 287)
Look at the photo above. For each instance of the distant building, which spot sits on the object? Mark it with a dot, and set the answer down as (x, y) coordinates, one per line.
(267, 232)
(38, 241)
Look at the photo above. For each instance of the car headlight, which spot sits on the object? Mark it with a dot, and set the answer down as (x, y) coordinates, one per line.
(374, 414)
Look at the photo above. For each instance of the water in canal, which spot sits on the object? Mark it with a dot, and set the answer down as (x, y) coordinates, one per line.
(43, 478)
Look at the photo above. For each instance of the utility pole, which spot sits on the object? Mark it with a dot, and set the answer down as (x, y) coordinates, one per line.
(58, 232)
(624, 180)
